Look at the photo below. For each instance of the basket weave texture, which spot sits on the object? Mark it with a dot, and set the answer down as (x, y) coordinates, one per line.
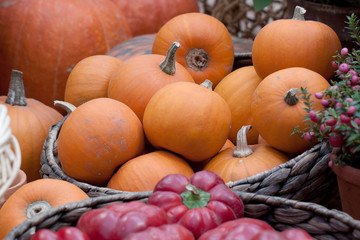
(305, 178)
(281, 213)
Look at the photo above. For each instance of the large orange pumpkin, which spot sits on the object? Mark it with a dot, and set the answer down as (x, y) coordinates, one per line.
(45, 39)
(188, 119)
(30, 121)
(139, 77)
(96, 138)
(90, 79)
(295, 42)
(237, 88)
(207, 50)
(277, 107)
(35, 198)
(144, 172)
(147, 16)
(244, 161)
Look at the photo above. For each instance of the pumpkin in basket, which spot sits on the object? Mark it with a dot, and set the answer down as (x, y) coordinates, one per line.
(277, 107)
(143, 172)
(45, 39)
(30, 121)
(35, 198)
(96, 138)
(90, 79)
(207, 50)
(295, 42)
(188, 119)
(237, 88)
(139, 77)
(243, 160)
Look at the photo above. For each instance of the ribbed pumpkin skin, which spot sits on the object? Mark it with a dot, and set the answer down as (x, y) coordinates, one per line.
(30, 125)
(187, 119)
(237, 88)
(138, 78)
(198, 31)
(288, 43)
(144, 172)
(147, 16)
(231, 168)
(90, 79)
(45, 39)
(98, 137)
(53, 191)
(274, 118)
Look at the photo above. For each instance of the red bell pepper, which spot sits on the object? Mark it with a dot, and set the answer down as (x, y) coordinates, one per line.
(296, 234)
(167, 231)
(117, 220)
(64, 233)
(199, 204)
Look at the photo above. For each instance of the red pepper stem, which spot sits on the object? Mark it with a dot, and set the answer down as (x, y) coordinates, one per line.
(192, 189)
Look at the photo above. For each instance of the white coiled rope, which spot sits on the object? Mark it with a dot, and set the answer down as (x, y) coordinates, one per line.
(10, 154)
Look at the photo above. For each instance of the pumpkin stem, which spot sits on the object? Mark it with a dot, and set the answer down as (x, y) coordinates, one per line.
(242, 148)
(36, 208)
(168, 65)
(16, 94)
(195, 197)
(299, 13)
(65, 105)
(291, 97)
(208, 84)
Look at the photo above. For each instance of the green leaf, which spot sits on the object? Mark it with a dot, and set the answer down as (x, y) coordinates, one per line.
(261, 4)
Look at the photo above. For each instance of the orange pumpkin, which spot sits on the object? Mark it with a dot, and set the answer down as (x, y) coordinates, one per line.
(96, 138)
(277, 107)
(295, 42)
(35, 198)
(243, 160)
(207, 50)
(30, 123)
(237, 88)
(139, 77)
(188, 119)
(90, 79)
(143, 172)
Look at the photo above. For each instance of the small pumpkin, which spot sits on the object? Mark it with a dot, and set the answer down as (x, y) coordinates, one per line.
(188, 119)
(295, 42)
(144, 172)
(139, 77)
(237, 88)
(245, 160)
(277, 107)
(30, 121)
(35, 198)
(96, 138)
(207, 49)
(90, 79)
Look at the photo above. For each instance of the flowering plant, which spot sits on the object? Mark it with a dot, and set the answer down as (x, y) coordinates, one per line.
(338, 122)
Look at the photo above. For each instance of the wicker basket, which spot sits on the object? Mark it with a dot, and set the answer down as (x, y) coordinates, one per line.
(281, 213)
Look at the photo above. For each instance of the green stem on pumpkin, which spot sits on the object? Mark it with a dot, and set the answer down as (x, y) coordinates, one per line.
(195, 197)
(242, 148)
(299, 13)
(16, 94)
(65, 105)
(168, 65)
(291, 97)
(208, 84)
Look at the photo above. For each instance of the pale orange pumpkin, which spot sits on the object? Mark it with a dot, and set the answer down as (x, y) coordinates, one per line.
(207, 50)
(277, 107)
(35, 198)
(30, 121)
(237, 88)
(188, 119)
(295, 42)
(139, 77)
(90, 78)
(245, 160)
(96, 138)
(143, 172)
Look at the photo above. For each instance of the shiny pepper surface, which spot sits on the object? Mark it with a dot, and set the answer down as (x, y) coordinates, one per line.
(199, 204)
(64, 233)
